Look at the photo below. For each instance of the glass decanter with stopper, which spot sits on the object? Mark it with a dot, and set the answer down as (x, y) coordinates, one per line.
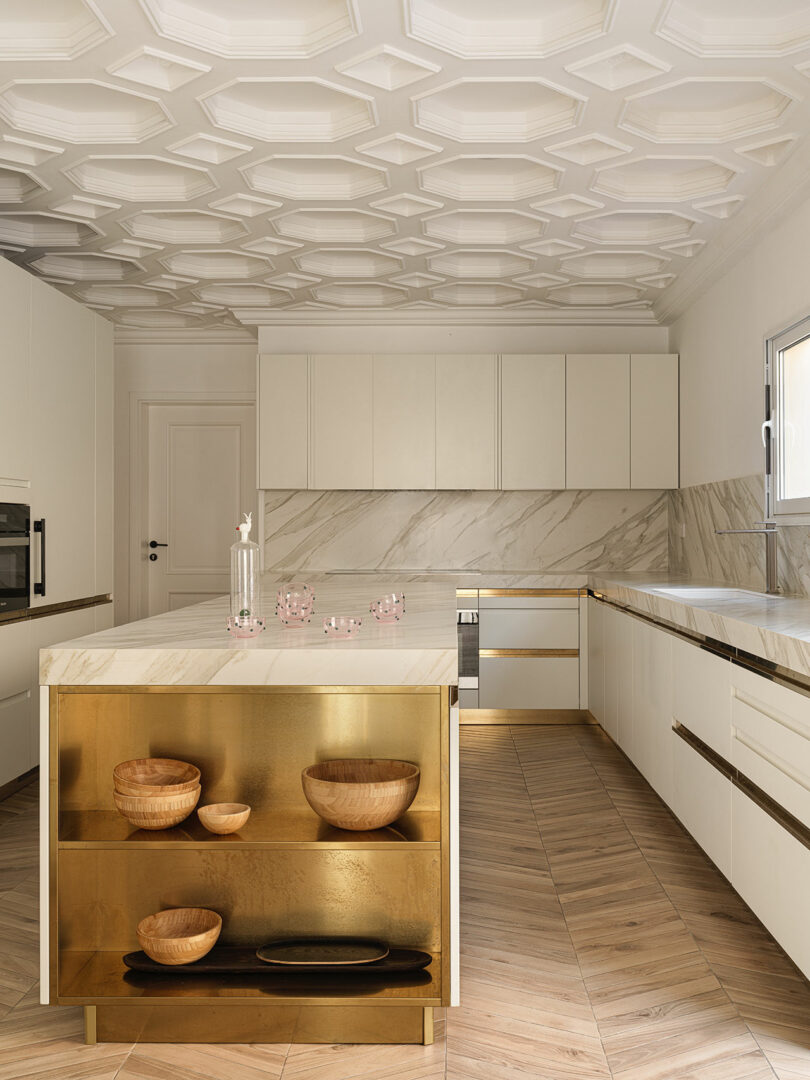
(246, 617)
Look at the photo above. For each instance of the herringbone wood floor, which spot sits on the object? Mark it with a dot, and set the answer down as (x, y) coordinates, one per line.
(598, 942)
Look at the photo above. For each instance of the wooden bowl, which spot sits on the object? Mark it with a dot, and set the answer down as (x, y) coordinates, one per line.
(156, 811)
(179, 935)
(155, 776)
(224, 817)
(360, 793)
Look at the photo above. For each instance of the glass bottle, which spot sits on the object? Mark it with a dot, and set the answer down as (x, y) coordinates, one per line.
(246, 615)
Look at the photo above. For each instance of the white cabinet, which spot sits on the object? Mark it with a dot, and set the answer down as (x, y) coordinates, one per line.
(653, 420)
(701, 798)
(531, 628)
(63, 472)
(532, 422)
(283, 410)
(340, 419)
(702, 695)
(404, 421)
(652, 706)
(597, 411)
(17, 690)
(16, 421)
(596, 660)
(528, 683)
(466, 422)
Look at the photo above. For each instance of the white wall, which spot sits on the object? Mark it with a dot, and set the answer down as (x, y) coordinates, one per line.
(461, 339)
(721, 338)
(142, 370)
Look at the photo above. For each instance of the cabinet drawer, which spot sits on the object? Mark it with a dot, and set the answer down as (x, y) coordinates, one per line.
(702, 801)
(528, 629)
(521, 602)
(770, 869)
(772, 749)
(702, 695)
(528, 683)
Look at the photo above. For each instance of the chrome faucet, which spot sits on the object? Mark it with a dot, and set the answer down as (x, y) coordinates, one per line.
(771, 560)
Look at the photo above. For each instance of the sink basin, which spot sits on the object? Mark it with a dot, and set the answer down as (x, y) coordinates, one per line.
(695, 592)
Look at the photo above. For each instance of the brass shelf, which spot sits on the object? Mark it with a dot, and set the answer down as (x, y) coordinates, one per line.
(286, 829)
(101, 978)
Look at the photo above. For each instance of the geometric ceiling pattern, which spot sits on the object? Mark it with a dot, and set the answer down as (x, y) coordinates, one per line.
(200, 163)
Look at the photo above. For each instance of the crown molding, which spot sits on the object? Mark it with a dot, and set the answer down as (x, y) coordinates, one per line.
(211, 335)
(459, 317)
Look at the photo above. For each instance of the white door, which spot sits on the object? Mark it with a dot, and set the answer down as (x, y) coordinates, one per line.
(201, 479)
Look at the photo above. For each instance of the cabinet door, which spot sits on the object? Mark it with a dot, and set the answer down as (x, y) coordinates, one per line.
(702, 695)
(340, 415)
(702, 801)
(626, 737)
(404, 422)
(17, 688)
(466, 422)
(596, 660)
(63, 477)
(654, 420)
(528, 683)
(16, 430)
(652, 706)
(527, 628)
(532, 422)
(597, 411)
(283, 421)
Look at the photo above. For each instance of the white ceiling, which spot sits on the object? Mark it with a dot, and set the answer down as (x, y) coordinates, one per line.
(183, 164)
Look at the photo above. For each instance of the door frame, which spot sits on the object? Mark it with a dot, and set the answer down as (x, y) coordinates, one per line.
(139, 405)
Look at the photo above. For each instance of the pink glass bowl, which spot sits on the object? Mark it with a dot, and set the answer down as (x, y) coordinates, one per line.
(389, 608)
(295, 603)
(245, 626)
(341, 626)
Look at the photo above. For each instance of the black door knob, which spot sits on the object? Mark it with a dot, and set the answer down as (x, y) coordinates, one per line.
(154, 544)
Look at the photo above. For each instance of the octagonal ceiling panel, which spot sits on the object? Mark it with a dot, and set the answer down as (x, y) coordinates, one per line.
(81, 111)
(497, 110)
(475, 28)
(124, 295)
(469, 178)
(437, 154)
(315, 177)
(289, 110)
(255, 28)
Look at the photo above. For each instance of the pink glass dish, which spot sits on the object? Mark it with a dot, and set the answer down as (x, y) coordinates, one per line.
(389, 608)
(341, 626)
(295, 602)
(245, 626)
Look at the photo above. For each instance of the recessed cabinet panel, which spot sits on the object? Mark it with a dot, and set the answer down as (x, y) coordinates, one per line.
(652, 706)
(17, 426)
(532, 422)
(283, 421)
(527, 629)
(466, 422)
(404, 421)
(654, 420)
(702, 695)
(341, 427)
(528, 683)
(597, 409)
(702, 801)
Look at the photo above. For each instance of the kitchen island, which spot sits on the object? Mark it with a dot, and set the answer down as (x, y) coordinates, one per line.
(251, 714)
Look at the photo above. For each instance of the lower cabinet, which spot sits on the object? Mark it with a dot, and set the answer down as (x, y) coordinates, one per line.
(528, 683)
(701, 799)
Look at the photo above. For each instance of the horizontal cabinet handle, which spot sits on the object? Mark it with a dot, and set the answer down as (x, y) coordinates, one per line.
(527, 654)
(531, 592)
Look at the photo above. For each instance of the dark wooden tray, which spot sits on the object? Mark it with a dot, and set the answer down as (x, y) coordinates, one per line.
(227, 960)
(322, 952)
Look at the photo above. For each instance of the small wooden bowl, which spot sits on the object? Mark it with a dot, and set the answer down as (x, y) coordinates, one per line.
(156, 811)
(155, 776)
(224, 817)
(179, 935)
(360, 793)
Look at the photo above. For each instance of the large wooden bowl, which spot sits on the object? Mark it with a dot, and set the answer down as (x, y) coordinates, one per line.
(179, 935)
(156, 811)
(360, 793)
(155, 776)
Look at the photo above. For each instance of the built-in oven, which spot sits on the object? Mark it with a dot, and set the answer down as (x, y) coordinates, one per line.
(467, 623)
(15, 557)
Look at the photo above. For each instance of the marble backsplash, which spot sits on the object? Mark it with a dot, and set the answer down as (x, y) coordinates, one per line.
(540, 531)
(737, 560)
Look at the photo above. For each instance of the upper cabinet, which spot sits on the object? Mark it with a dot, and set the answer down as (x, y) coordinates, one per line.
(532, 422)
(480, 422)
(597, 421)
(467, 422)
(404, 421)
(340, 422)
(16, 421)
(653, 420)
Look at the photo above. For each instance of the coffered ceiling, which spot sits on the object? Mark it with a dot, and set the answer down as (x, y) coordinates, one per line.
(183, 164)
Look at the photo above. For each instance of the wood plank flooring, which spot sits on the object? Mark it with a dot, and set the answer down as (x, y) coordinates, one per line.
(597, 942)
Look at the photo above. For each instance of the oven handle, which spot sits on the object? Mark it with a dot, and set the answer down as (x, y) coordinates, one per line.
(39, 586)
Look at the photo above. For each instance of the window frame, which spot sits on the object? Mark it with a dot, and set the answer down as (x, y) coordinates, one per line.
(778, 508)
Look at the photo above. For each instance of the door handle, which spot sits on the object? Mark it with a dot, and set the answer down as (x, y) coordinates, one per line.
(39, 586)
(154, 544)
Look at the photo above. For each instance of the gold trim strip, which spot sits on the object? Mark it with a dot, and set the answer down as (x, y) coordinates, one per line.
(534, 717)
(520, 654)
(529, 592)
(466, 592)
(25, 614)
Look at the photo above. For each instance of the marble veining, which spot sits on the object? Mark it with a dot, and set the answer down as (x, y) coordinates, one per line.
(739, 559)
(192, 647)
(522, 531)
(776, 628)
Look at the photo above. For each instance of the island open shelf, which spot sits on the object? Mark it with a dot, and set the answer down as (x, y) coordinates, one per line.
(286, 873)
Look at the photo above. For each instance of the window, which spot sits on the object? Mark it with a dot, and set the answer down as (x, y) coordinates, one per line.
(789, 385)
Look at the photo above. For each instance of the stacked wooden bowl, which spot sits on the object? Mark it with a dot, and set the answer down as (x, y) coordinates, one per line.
(155, 793)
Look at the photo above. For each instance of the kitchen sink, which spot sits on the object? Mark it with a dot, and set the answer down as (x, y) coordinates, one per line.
(694, 592)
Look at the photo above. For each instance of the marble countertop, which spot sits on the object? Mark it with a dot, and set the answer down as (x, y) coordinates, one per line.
(191, 646)
(460, 579)
(776, 628)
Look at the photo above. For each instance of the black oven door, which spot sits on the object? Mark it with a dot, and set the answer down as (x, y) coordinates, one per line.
(15, 557)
